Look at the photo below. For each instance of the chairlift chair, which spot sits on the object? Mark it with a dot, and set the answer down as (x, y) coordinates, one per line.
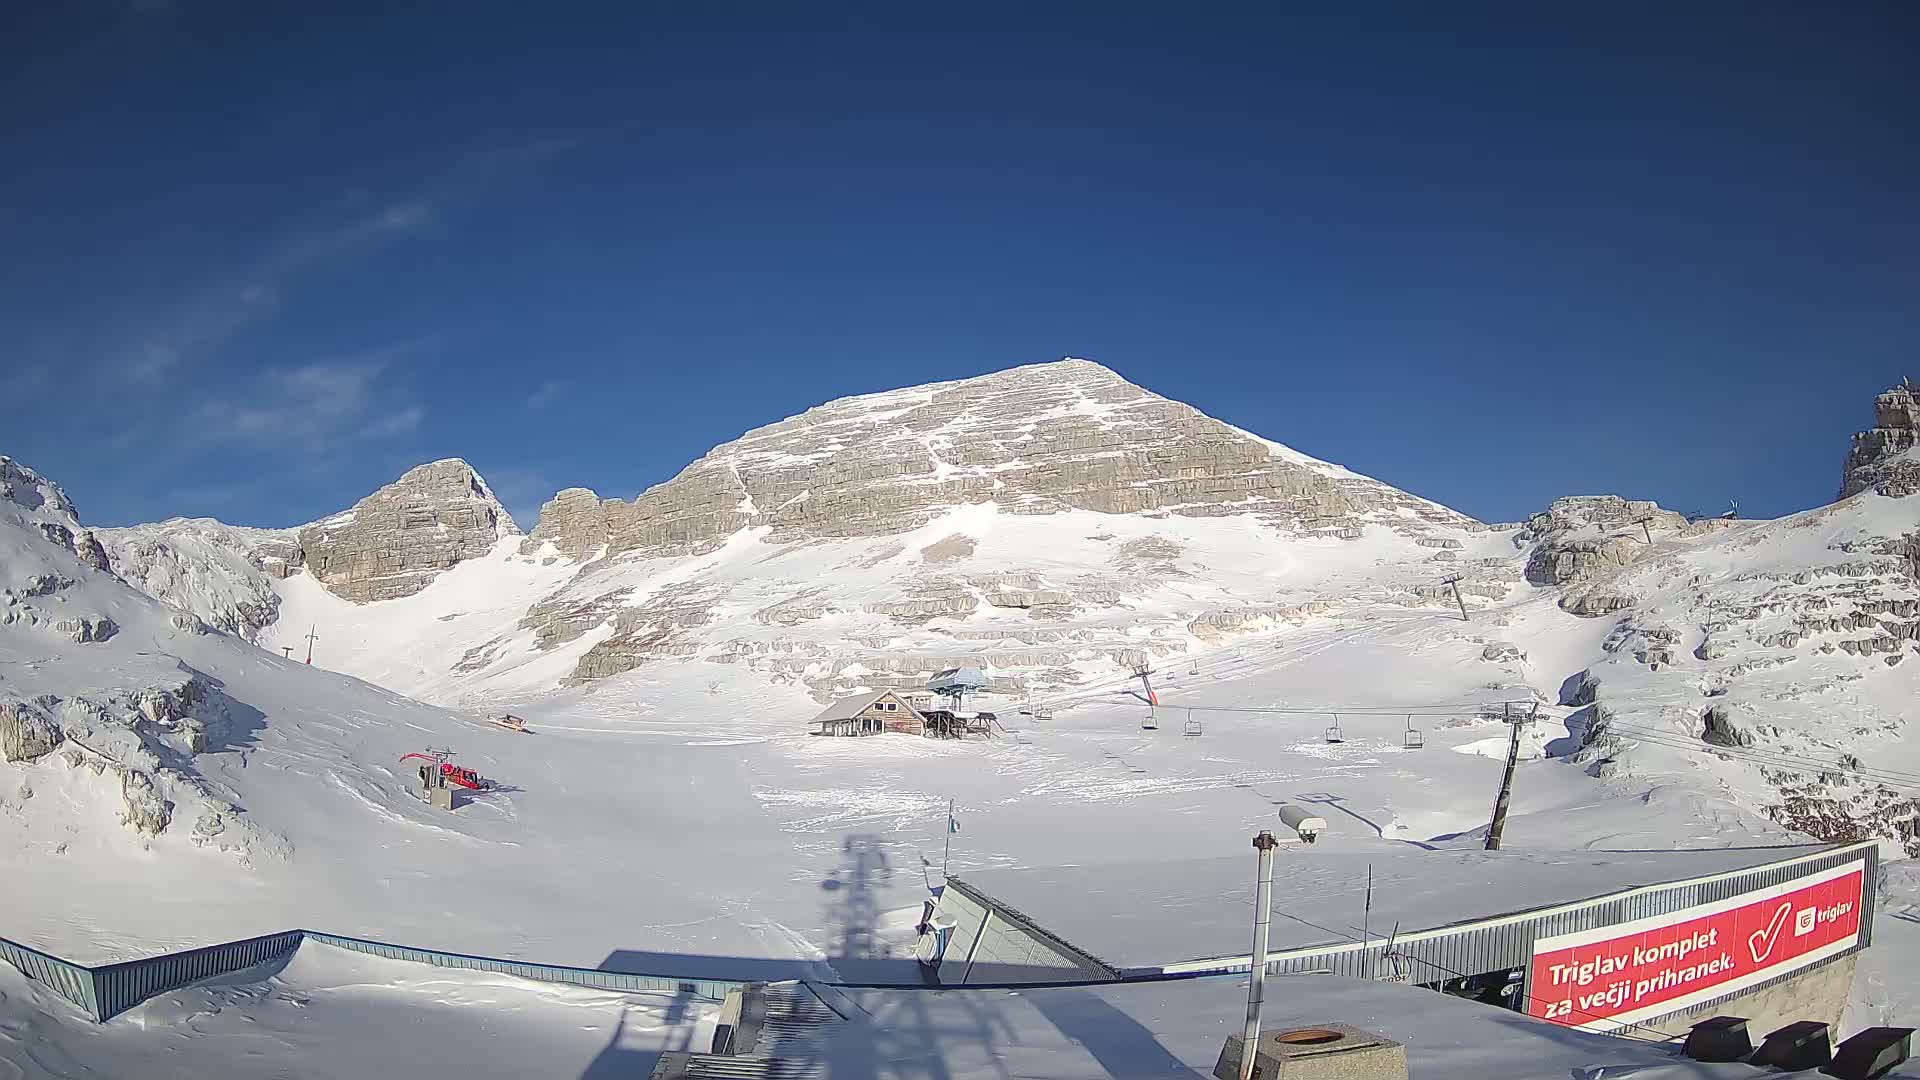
(1151, 723)
(1413, 739)
(1193, 726)
(1334, 734)
(1194, 669)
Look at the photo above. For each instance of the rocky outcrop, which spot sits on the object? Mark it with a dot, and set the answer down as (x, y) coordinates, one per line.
(653, 630)
(1569, 562)
(1033, 440)
(1582, 542)
(1215, 627)
(1886, 457)
(26, 732)
(395, 541)
(147, 811)
(1582, 537)
(86, 629)
(34, 493)
(574, 521)
(221, 573)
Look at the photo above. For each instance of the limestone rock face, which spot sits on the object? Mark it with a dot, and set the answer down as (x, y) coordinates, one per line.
(397, 540)
(147, 810)
(86, 629)
(1583, 537)
(1886, 457)
(26, 732)
(1034, 440)
(574, 520)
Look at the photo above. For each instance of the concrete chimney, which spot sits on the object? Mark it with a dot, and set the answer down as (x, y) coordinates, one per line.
(1324, 1052)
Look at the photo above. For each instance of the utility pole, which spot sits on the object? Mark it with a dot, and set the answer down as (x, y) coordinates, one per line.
(1264, 843)
(953, 826)
(1646, 528)
(1499, 824)
(1455, 582)
(1142, 672)
(311, 638)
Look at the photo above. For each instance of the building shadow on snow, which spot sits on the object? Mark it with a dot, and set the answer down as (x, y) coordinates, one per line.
(633, 1052)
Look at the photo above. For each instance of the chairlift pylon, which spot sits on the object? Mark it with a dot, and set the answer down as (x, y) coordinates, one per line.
(1334, 734)
(1413, 739)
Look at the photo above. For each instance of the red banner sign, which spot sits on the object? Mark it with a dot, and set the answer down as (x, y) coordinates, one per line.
(1616, 975)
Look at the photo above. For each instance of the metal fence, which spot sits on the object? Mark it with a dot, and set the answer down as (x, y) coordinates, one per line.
(1427, 956)
(70, 980)
(119, 987)
(709, 989)
(108, 990)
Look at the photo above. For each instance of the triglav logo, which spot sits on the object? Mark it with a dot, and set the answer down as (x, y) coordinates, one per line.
(1804, 921)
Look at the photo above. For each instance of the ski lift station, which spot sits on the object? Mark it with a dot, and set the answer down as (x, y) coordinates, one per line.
(1599, 940)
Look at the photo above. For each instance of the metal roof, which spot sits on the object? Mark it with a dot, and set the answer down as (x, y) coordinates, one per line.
(849, 708)
(1147, 917)
(1176, 1029)
(960, 678)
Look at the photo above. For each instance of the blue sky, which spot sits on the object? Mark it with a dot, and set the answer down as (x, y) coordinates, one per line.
(256, 260)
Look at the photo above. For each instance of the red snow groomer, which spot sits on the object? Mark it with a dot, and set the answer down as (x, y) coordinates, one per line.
(447, 772)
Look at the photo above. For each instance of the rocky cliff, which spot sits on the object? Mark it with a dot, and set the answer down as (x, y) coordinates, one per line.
(1886, 457)
(395, 541)
(222, 573)
(392, 543)
(1070, 435)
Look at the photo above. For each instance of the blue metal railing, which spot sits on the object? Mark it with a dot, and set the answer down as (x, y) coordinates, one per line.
(710, 989)
(70, 980)
(108, 990)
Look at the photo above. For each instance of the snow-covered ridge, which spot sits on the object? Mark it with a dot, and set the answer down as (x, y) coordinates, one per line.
(874, 539)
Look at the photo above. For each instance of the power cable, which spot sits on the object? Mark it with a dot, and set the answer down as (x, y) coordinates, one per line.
(1774, 759)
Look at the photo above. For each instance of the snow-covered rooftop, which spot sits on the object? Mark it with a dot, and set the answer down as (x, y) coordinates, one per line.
(1177, 1028)
(1137, 917)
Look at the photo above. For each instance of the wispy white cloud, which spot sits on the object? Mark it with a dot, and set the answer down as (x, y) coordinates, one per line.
(314, 405)
(204, 320)
(546, 394)
(398, 422)
(218, 313)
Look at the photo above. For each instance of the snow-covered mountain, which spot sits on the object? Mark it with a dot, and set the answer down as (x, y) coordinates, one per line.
(1698, 682)
(1059, 526)
(1046, 522)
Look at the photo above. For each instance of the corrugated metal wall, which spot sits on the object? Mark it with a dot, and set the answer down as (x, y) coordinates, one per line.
(107, 991)
(119, 987)
(709, 989)
(71, 981)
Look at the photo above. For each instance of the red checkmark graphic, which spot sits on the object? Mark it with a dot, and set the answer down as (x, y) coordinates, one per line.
(1760, 942)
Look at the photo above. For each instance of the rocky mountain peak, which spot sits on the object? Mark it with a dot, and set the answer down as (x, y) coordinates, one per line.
(397, 540)
(1039, 439)
(34, 493)
(39, 504)
(1886, 457)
